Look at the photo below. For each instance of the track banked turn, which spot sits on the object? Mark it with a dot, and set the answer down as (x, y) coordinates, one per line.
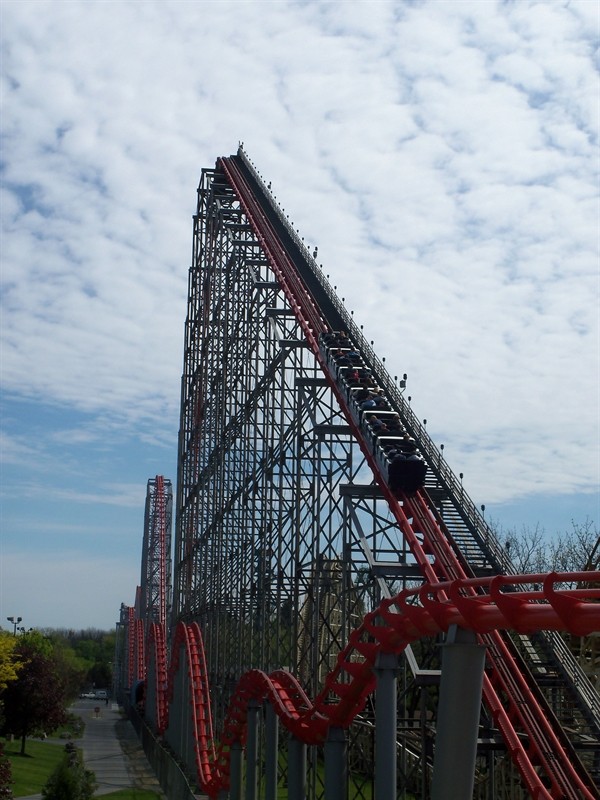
(484, 605)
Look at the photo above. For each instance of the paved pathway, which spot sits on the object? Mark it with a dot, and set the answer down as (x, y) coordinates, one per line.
(112, 750)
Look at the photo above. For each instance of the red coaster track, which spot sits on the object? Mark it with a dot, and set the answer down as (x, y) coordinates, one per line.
(482, 605)
(451, 595)
(525, 712)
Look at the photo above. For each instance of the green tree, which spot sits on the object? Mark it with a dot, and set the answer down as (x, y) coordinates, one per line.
(96, 650)
(9, 663)
(70, 780)
(36, 700)
(72, 667)
(87, 656)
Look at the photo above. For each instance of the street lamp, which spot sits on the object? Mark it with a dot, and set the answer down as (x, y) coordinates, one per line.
(15, 622)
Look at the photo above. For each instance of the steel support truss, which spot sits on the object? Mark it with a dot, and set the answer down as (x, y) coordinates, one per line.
(155, 582)
(279, 522)
(283, 540)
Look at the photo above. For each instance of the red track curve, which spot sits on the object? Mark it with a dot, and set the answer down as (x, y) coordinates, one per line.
(426, 535)
(475, 604)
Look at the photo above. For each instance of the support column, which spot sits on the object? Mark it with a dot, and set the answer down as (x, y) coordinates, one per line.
(252, 750)
(272, 750)
(235, 771)
(336, 765)
(386, 723)
(425, 742)
(463, 662)
(296, 769)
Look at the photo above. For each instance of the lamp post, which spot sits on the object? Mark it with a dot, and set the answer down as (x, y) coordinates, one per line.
(15, 621)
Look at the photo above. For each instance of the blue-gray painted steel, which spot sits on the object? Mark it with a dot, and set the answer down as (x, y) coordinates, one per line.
(386, 721)
(272, 749)
(252, 751)
(296, 769)
(336, 765)
(235, 771)
(463, 661)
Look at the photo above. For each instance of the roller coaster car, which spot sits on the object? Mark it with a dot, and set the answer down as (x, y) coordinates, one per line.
(399, 459)
(401, 462)
(406, 474)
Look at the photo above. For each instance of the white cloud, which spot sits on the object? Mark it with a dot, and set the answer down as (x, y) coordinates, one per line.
(443, 156)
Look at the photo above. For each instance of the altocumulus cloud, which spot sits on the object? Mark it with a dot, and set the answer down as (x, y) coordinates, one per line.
(443, 157)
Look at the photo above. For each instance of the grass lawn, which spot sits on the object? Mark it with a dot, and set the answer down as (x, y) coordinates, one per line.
(31, 771)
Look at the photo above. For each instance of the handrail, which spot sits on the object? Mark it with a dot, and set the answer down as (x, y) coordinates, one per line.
(294, 284)
(568, 664)
(462, 502)
(433, 455)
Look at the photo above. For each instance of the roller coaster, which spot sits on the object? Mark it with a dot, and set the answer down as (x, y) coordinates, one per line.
(325, 555)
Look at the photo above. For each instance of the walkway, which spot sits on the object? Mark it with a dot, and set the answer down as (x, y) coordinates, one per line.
(112, 750)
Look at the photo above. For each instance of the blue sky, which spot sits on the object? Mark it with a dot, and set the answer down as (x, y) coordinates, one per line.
(442, 155)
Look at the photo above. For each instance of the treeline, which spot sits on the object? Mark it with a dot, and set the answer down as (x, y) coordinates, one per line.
(43, 671)
(532, 550)
(89, 654)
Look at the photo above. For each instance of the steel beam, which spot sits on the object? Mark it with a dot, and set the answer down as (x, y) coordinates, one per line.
(463, 661)
(386, 723)
(252, 750)
(271, 752)
(336, 765)
(296, 769)
(235, 771)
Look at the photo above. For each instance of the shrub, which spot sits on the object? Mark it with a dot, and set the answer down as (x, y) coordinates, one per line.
(5, 776)
(70, 780)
